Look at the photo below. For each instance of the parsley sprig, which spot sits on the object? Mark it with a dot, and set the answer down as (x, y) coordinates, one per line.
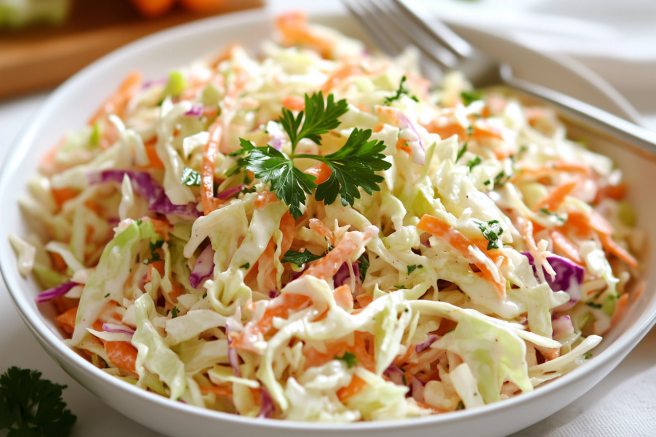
(348, 358)
(300, 258)
(31, 406)
(491, 231)
(354, 166)
(400, 91)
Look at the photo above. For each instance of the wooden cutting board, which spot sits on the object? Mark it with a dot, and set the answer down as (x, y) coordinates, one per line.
(43, 57)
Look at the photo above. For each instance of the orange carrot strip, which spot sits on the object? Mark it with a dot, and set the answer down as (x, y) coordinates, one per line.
(455, 239)
(364, 300)
(356, 386)
(337, 76)
(620, 308)
(551, 168)
(155, 162)
(122, 354)
(320, 228)
(344, 297)
(566, 246)
(279, 307)
(329, 264)
(264, 198)
(63, 195)
(616, 192)
(433, 409)
(219, 391)
(157, 265)
(210, 203)
(554, 199)
(295, 30)
(293, 103)
(320, 171)
(402, 144)
(115, 104)
(617, 250)
(67, 320)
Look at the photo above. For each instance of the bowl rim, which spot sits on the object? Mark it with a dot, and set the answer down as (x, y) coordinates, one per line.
(35, 320)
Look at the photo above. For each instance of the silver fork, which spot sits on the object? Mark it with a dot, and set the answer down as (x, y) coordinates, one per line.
(396, 24)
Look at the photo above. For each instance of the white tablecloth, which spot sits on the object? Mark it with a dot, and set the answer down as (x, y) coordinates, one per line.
(623, 404)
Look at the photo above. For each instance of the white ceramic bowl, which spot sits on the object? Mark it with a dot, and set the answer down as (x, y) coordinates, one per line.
(70, 106)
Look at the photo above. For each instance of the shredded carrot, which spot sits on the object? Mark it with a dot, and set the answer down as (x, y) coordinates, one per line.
(554, 199)
(281, 306)
(344, 297)
(210, 203)
(293, 103)
(423, 359)
(218, 391)
(267, 273)
(637, 291)
(356, 386)
(458, 241)
(67, 320)
(223, 55)
(115, 104)
(616, 192)
(264, 198)
(157, 265)
(620, 308)
(566, 246)
(295, 30)
(314, 358)
(433, 409)
(402, 144)
(153, 158)
(63, 195)
(337, 76)
(617, 250)
(58, 262)
(551, 168)
(122, 354)
(320, 171)
(363, 301)
(360, 351)
(329, 264)
(320, 228)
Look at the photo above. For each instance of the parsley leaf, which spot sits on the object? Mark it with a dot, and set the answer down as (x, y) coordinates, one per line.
(364, 266)
(553, 214)
(174, 312)
(491, 231)
(412, 268)
(401, 90)
(348, 358)
(153, 247)
(461, 152)
(473, 163)
(594, 305)
(400, 287)
(245, 266)
(353, 166)
(31, 406)
(319, 119)
(190, 177)
(300, 258)
(471, 96)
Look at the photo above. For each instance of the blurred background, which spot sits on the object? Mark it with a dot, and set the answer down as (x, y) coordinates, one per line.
(44, 42)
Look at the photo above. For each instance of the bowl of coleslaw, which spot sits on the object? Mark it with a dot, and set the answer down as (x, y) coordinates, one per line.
(318, 234)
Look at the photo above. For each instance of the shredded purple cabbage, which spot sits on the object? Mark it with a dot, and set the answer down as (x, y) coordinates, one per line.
(276, 141)
(430, 339)
(233, 356)
(196, 110)
(268, 407)
(407, 124)
(395, 374)
(203, 267)
(224, 195)
(148, 188)
(562, 326)
(425, 239)
(108, 327)
(55, 292)
(417, 389)
(158, 81)
(343, 275)
(569, 278)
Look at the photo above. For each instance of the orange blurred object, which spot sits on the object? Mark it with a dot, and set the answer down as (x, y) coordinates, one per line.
(202, 5)
(153, 8)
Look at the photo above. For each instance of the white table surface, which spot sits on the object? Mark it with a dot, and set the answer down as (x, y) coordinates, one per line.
(19, 348)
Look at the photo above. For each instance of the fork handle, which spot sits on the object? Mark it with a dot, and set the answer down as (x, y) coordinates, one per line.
(591, 115)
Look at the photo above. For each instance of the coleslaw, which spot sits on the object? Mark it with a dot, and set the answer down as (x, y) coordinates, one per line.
(319, 234)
